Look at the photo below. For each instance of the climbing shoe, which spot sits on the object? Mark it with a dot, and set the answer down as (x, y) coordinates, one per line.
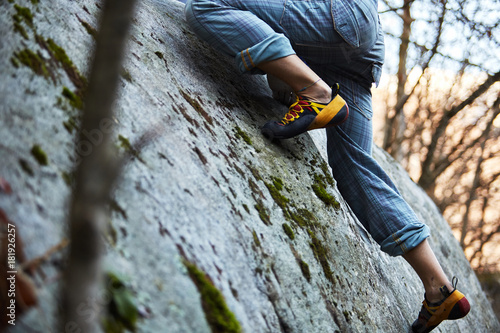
(454, 305)
(304, 115)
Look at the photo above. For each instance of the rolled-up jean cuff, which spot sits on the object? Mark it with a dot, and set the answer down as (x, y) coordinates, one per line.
(273, 47)
(405, 239)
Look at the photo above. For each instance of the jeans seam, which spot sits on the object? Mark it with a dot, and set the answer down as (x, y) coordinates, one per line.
(355, 101)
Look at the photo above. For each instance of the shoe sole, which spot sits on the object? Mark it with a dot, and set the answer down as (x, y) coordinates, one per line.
(326, 117)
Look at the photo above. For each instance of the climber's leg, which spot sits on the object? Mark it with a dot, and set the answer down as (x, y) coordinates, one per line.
(251, 30)
(364, 184)
(425, 264)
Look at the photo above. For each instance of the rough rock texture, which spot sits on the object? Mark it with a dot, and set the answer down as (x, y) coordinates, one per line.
(208, 194)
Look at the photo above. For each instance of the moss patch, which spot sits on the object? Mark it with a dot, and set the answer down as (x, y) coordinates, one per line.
(26, 167)
(255, 238)
(122, 312)
(33, 61)
(126, 75)
(68, 178)
(320, 253)
(302, 217)
(73, 99)
(218, 315)
(274, 190)
(319, 189)
(288, 231)
(242, 135)
(20, 29)
(78, 80)
(326, 173)
(90, 30)
(39, 155)
(70, 125)
(23, 14)
(125, 144)
(263, 213)
(304, 267)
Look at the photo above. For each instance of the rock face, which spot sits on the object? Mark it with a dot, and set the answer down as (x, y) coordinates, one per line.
(213, 228)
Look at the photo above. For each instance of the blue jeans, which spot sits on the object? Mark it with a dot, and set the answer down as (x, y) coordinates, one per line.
(341, 40)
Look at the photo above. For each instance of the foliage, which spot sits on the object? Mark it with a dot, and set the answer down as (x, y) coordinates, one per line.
(442, 107)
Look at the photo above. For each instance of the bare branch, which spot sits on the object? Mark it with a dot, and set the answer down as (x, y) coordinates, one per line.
(426, 177)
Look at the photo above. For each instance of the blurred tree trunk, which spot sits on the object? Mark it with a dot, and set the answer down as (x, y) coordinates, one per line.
(96, 172)
(394, 127)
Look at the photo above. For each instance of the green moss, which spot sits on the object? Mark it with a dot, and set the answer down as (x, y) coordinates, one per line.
(14, 62)
(263, 214)
(73, 98)
(304, 267)
(60, 55)
(26, 167)
(326, 174)
(278, 183)
(218, 315)
(246, 208)
(39, 155)
(20, 29)
(241, 134)
(288, 231)
(255, 238)
(320, 253)
(33, 61)
(23, 14)
(303, 218)
(347, 316)
(68, 178)
(126, 75)
(122, 312)
(90, 30)
(70, 125)
(125, 144)
(280, 199)
(319, 189)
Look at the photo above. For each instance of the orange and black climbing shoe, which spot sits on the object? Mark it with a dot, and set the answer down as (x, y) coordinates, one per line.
(304, 115)
(454, 305)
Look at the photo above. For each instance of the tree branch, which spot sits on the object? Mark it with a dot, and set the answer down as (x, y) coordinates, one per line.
(96, 172)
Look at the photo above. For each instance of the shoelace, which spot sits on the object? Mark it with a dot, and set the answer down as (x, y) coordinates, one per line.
(294, 111)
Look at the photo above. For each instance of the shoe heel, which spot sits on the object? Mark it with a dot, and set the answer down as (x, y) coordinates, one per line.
(460, 309)
(335, 113)
(340, 118)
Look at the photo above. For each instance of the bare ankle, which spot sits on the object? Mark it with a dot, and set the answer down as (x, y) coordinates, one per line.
(434, 294)
(319, 92)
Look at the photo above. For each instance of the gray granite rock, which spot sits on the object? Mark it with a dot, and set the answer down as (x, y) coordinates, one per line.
(208, 190)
